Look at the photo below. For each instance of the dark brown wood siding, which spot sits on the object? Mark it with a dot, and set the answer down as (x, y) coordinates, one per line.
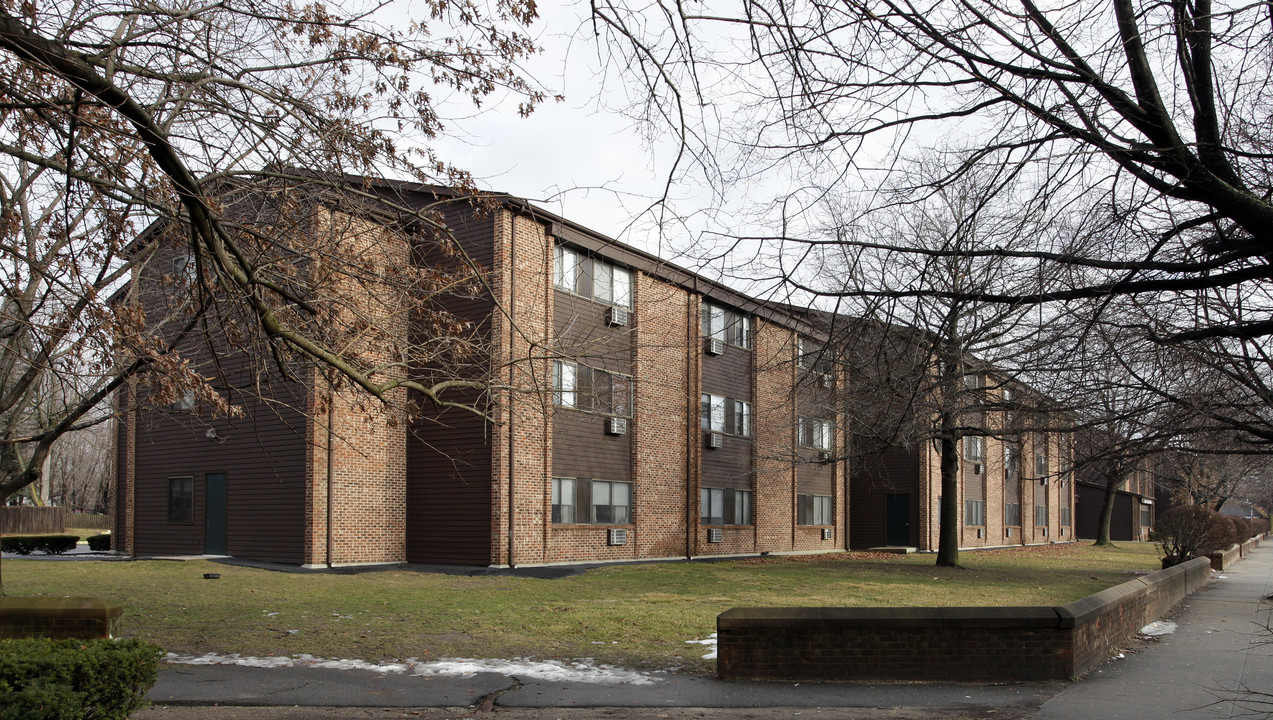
(815, 478)
(582, 449)
(449, 489)
(729, 374)
(583, 336)
(262, 455)
(449, 460)
(873, 477)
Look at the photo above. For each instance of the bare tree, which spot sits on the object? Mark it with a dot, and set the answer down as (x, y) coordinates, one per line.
(234, 132)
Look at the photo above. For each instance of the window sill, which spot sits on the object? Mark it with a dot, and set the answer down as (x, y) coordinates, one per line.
(602, 303)
(584, 526)
(724, 526)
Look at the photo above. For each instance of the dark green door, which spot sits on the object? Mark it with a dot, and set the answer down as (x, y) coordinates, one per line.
(214, 533)
(897, 519)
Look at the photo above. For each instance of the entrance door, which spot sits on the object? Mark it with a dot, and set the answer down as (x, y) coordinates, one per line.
(897, 519)
(214, 531)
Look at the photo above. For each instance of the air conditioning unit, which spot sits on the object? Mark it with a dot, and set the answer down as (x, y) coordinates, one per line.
(715, 346)
(617, 316)
(976, 468)
(1044, 533)
(616, 426)
(825, 380)
(824, 456)
(826, 533)
(617, 536)
(981, 532)
(715, 535)
(1043, 481)
(715, 441)
(1007, 532)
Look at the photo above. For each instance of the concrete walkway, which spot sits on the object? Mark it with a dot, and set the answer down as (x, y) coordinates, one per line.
(1219, 648)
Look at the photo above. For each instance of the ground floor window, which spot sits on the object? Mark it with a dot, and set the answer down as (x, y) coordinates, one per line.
(814, 510)
(1144, 516)
(1041, 515)
(1065, 517)
(181, 499)
(974, 513)
(1012, 514)
(724, 506)
(591, 502)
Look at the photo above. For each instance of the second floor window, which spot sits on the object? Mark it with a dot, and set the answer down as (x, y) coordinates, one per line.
(1011, 459)
(585, 388)
(815, 433)
(974, 448)
(1041, 456)
(592, 277)
(726, 415)
(724, 324)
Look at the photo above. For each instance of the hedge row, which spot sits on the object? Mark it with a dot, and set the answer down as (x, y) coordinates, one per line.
(99, 543)
(27, 544)
(75, 679)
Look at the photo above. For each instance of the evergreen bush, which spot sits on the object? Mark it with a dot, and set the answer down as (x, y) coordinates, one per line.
(97, 679)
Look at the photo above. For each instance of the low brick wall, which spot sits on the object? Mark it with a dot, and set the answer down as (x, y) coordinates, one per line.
(970, 644)
(1222, 559)
(1250, 545)
(58, 617)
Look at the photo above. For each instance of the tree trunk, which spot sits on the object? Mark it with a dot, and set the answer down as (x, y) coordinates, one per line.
(1112, 487)
(948, 538)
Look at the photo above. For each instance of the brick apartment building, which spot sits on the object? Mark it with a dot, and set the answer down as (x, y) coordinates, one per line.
(644, 412)
(650, 413)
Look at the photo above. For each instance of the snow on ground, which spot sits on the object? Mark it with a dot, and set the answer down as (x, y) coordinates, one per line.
(1159, 627)
(551, 670)
(710, 642)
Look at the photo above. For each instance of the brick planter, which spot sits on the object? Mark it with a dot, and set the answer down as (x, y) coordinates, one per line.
(58, 617)
(969, 644)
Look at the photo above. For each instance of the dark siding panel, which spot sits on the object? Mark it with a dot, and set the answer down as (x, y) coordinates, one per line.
(729, 466)
(729, 374)
(872, 478)
(263, 456)
(582, 449)
(1124, 518)
(1087, 513)
(584, 336)
(449, 489)
(814, 478)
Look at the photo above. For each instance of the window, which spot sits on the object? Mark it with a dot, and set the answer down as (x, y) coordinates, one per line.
(1041, 515)
(815, 433)
(592, 278)
(974, 513)
(563, 500)
(1011, 459)
(1144, 516)
(591, 502)
(181, 499)
(183, 403)
(722, 324)
(184, 268)
(1041, 456)
(974, 448)
(590, 389)
(1012, 514)
(814, 510)
(726, 415)
(723, 506)
(1065, 517)
(611, 503)
(812, 355)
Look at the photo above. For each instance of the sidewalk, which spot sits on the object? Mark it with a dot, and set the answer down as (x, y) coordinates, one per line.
(1221, 648)
(1192, 673)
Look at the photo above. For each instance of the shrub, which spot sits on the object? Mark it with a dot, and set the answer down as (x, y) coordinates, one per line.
(27, 544)
(1190, 531)
(98, 543)
(100, 679)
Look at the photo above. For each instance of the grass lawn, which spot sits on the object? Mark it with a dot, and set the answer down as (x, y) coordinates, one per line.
(638, 616)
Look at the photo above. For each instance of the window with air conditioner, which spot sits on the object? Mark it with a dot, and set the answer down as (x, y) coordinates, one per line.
(726, 325)
(726, 415)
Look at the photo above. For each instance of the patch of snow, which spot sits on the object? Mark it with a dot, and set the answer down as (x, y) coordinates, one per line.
(583, 670)
(710, 642)
(1160, 627)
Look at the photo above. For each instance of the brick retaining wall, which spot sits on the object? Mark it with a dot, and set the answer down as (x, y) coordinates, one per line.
(970, 644)
(58, 617)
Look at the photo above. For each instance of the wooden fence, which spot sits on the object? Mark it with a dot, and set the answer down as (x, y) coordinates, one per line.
(90, 521)
(32, 520)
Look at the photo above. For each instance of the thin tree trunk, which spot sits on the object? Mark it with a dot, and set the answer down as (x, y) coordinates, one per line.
(948, 540)
(1107, 509)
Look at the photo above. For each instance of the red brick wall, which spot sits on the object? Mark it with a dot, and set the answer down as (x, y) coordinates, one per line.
(666, 422)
